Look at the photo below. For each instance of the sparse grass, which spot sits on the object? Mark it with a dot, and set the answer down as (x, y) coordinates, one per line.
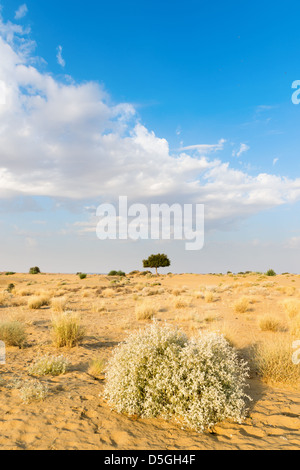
(37, 302)
(181, 303)
(107, 293)
(145, 311)
(49, 365)
(292, 307)
(13, 333)
(241, 305)
(59, 304)
(96, 367)
(67, 330)
(210, 297)
(273, 362)
(269, 323)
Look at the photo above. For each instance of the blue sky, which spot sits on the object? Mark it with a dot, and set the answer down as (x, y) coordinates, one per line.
(109, 98)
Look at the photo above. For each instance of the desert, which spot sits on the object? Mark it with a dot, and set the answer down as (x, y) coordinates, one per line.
(248, 309)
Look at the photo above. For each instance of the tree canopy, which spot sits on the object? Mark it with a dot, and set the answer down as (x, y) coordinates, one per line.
(156, 261)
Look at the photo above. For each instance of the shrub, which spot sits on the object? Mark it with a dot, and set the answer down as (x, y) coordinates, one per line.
(32, 389)
(270, 272)
(269, 324)
(241, 305)
(116, 273)
(82, 275)
(209, 297)
(145, 311)
(10, 287)
(10, 273)
(58, 304)
(96, 367)
(180, 302)
(13, 333)
(159, 372)
(67, 330)
(34, 270)
(37, 302)
(273, 362)
(292, 307)
(49, 365)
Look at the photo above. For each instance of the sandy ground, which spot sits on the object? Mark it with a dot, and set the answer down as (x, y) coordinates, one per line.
(75, 416)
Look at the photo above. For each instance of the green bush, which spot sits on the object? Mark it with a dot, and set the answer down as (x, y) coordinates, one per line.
(271, 272)
(116, 273)
(159, 372)
(82, 275)
(34, 270)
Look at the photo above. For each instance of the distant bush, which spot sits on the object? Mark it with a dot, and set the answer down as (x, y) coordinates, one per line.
(116, 273)
(270, 272)
(10, 273)
(82, 275)
(10, 287)
(34, 270)
(160, 373)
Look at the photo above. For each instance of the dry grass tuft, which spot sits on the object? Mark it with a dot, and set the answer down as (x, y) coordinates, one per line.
(241, 305)
(273, 362)
(67, 330)
(37, 302)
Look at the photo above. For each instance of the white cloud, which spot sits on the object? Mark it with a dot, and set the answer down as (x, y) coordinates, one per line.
(243, 148)
(68, 141)
(275, 161)
(21, 12)
(206, 148)
(59, 57)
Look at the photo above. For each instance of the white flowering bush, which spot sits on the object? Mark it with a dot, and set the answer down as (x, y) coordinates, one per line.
(159, 372)
(49, 365)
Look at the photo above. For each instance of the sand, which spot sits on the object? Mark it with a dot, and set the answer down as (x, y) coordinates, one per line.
(75, 416)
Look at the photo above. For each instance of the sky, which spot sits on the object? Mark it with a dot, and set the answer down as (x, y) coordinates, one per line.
(163, 102)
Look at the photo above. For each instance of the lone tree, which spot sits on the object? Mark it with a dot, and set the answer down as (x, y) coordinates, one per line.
(156, 261)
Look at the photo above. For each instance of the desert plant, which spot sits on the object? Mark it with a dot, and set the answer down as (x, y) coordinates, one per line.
(96, 367)
(34, 270)
(82, 275)
(49, 365)
(37, 302)
(10, 287)
(270, 272)
(159, 372)
(156, 261)
(273, 361)
(268, 323)
(241, 305)
(67, 330)
(116, 273)
(145, 311)
(13, 333)
(292, 307)
(58, 304)
(32, 389)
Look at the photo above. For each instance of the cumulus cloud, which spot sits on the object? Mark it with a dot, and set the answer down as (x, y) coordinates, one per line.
(69, 141)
